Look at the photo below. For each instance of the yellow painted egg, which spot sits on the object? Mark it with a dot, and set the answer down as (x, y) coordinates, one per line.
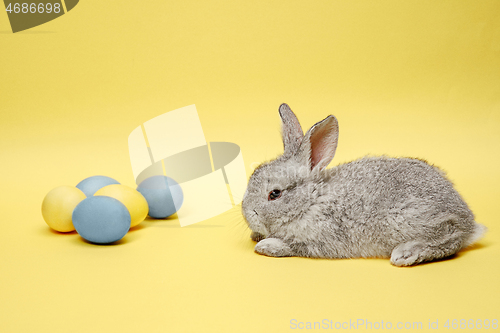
(135, 202)
(58, 206)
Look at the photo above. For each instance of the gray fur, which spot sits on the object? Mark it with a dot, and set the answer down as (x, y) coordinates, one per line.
(290, 129)
(402, 208)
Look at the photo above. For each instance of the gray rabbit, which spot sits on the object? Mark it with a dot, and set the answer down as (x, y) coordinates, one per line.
(402, 208)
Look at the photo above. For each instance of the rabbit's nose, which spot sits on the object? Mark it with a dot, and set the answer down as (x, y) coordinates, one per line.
(256, 212)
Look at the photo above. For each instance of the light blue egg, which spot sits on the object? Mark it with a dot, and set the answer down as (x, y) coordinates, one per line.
(92, 184)
(101, 219)
(163, 194)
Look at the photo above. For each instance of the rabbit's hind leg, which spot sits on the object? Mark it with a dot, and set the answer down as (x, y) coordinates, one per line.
(416, 251)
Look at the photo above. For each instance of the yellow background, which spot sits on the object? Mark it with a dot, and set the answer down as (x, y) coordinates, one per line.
(413, 78)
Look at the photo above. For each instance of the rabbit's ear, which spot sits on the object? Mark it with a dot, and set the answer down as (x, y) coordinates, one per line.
(290, 130)
(320, 143)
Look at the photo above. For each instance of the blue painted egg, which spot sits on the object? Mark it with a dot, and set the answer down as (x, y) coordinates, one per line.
(163, 194)
(92, 184)
(101, 219)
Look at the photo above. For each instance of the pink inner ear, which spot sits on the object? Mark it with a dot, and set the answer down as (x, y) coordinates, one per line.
(318, 146)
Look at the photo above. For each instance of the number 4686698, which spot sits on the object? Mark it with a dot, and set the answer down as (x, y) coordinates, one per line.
(33, 8)
(471, 324)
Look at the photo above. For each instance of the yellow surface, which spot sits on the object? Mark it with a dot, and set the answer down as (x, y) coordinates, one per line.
(135, 202)
(413, 78)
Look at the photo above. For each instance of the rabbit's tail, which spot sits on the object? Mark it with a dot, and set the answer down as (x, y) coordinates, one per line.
(477, 233)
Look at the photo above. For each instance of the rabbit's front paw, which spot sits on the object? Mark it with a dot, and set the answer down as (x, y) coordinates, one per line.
(273, 247)
(407, 254)
(256, 237)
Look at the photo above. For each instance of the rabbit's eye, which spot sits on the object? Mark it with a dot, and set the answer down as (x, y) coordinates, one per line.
(274, 194)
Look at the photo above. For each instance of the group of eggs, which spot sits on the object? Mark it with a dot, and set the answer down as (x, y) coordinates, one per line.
(102, 210)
